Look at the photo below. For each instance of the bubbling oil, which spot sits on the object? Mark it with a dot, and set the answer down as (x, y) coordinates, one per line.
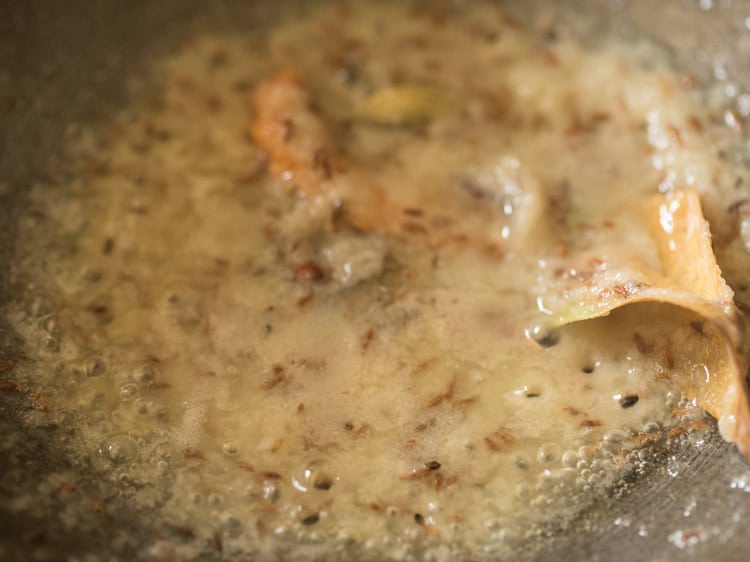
(410, 404)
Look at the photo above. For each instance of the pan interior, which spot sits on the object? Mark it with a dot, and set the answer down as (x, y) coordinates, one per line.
(137, 464)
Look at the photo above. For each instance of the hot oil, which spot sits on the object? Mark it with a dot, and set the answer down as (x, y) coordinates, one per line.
(279, 388)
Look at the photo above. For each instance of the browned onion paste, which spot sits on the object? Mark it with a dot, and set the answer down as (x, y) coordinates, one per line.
(303, 390)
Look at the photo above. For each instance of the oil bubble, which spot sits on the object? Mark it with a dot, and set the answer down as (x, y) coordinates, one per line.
(586, 452)
(50, 344)
(120, 449)
(125, 477)
(142, 406)
(548, 453)
(104, 427)
(90, 274)
(250, 491)
(540, 501)
(567, 475)
(271, 492)
(145, 373)
(322, 481)
(159, 412)
(91, 366)
(645, 455)
(51, 326)
(231, 524)
(492, 523)
(128, 392)
(215, 500)
(70, 385)
(312, 476)
(651, 427)
(230, 448)
(99, 416)
(569, 458)
(65, 417)
(161, 550)
(302, 481)
(614, 436)
(523, 491)
(545, 479)
(40, 306)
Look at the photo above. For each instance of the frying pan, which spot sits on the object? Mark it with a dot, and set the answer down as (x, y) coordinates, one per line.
(63, 62)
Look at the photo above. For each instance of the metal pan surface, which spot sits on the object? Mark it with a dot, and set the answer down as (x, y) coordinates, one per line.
(70, 61)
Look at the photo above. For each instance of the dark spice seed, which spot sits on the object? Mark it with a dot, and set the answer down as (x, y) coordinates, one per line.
(185, 533)
(419, 519)
(432, 465)
(548, 339)
(413, 228)
(337, 215)
(629, 401)
(322, 162)
(323, 484)
(307, 299)
(38, 536)
(288, 132)
(9, 386)
(7, 368)
(308, 271)
(311, 519)
(588, 369)
(217, 542)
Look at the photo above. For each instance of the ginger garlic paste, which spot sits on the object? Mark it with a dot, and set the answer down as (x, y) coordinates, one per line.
(351, 338)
